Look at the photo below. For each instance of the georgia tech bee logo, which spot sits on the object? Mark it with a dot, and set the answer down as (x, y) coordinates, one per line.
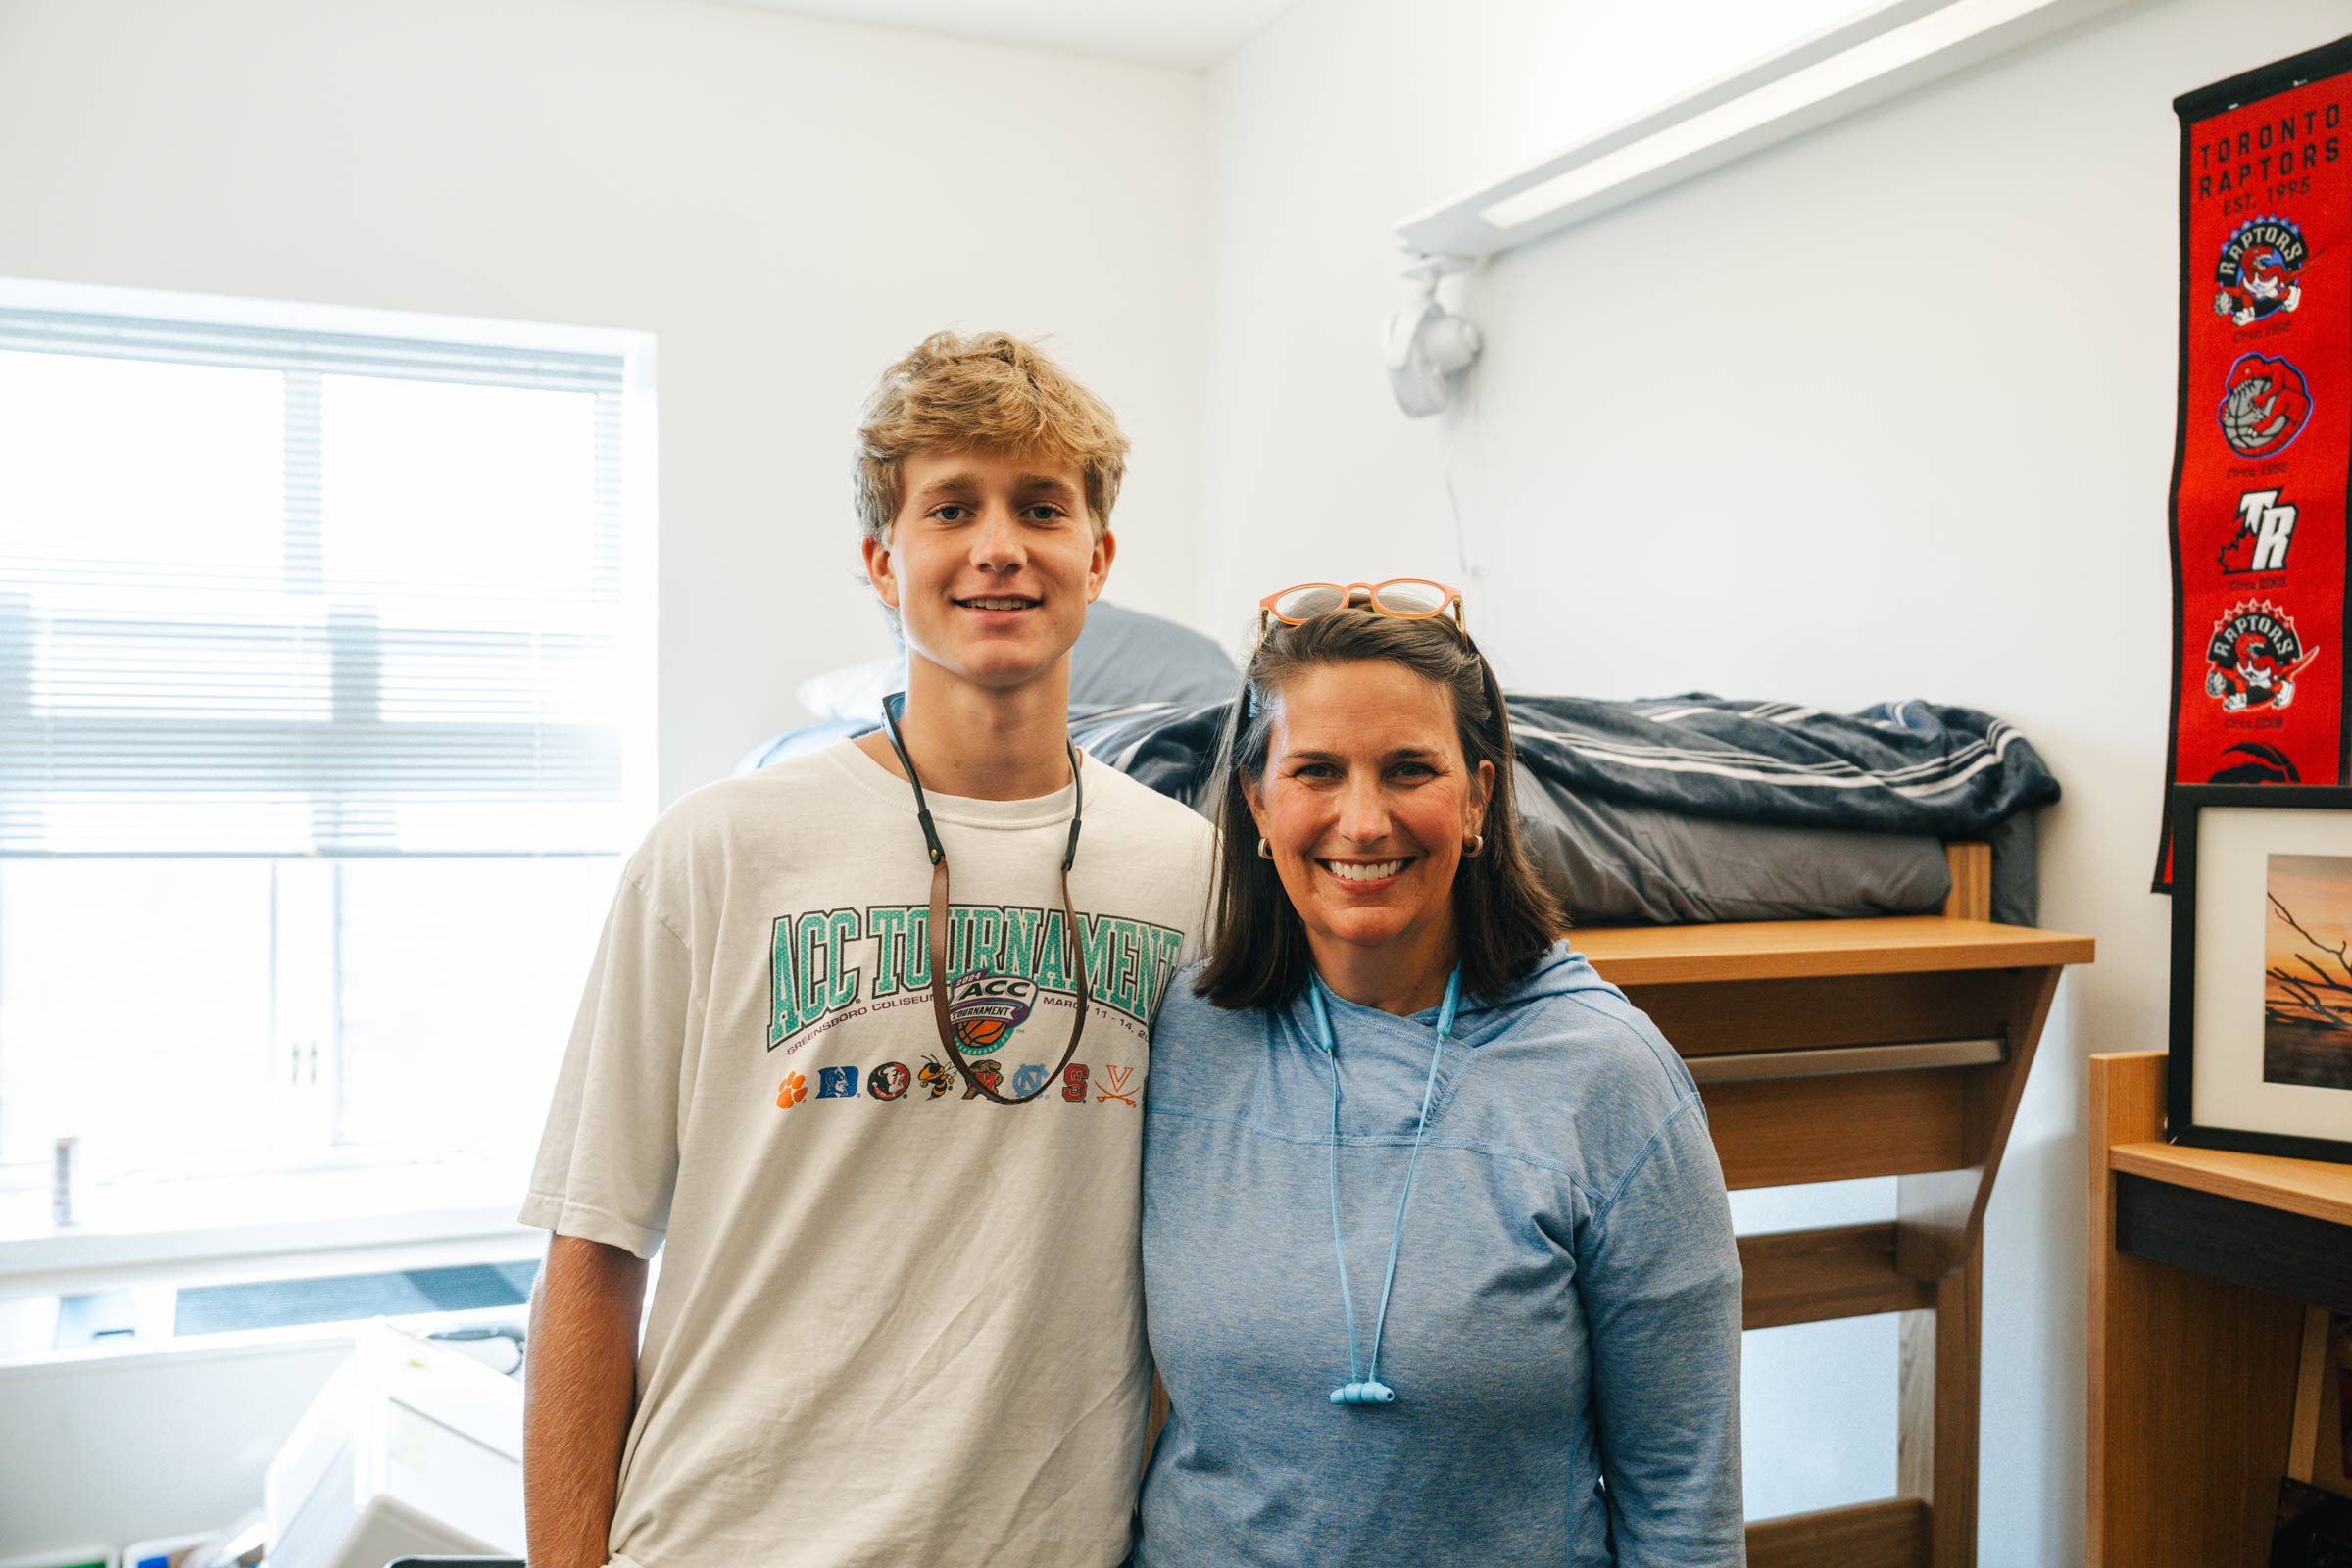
(2254, 657)
(2259, 267)
(983, 1008)
(2265, 403)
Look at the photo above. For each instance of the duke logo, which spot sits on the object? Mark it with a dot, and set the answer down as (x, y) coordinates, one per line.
(2254, 657)
(2256, 277)
(983, 1008)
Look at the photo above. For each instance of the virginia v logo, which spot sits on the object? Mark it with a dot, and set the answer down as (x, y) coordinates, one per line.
(2264, 529)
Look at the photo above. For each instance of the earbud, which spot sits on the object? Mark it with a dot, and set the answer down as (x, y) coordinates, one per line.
(1371, 1393)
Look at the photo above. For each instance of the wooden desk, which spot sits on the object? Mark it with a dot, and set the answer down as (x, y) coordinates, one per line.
(1829, 1050)
(2201, 1263)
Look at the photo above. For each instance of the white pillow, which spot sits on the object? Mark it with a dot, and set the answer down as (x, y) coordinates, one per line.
(855, 692)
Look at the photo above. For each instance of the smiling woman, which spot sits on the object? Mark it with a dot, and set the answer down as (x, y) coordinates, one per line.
(1392, 1070)
(1366, 808)
(1362, 739)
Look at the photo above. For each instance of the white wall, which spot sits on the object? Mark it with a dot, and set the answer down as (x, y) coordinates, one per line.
(1886, 411)
(788, 204)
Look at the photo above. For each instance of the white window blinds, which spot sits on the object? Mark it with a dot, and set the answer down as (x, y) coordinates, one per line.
(270, 591)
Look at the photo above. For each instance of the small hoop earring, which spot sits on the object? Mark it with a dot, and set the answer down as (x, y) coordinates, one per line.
(1476, 847)
(1264, 851)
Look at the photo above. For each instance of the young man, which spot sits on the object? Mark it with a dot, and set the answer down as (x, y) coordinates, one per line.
(899, 1320)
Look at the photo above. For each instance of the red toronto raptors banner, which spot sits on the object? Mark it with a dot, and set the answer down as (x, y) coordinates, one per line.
(2262, 456)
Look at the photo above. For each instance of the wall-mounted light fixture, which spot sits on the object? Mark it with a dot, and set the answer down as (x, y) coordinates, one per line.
(1868, 58)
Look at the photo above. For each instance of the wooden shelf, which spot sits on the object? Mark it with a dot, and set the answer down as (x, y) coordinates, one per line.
(2298, 1186)
(2201, 1263)
(1793, 950)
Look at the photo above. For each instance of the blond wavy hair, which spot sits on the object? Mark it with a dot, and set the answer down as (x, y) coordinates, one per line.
(990, 392)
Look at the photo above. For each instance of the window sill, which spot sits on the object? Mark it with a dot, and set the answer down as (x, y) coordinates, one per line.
(266, 1226)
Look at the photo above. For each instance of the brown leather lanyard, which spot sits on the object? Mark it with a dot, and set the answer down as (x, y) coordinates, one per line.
(892, 706)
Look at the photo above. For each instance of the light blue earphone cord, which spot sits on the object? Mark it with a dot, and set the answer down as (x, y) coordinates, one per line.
(1363, 1385)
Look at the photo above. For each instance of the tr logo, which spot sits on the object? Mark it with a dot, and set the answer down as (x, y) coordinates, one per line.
(2264, 529)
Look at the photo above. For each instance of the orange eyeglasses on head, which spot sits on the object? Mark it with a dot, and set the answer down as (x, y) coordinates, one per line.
(1408, 598)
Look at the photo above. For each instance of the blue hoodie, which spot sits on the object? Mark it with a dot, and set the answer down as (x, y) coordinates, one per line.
(1563, 1335)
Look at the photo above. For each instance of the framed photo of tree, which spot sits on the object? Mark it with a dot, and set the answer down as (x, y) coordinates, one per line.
(2262, 970)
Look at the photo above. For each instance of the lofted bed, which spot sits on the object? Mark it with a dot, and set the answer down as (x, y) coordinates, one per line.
(1832, 1049)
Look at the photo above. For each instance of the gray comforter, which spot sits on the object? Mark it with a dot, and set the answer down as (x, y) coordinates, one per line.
(1650, 811)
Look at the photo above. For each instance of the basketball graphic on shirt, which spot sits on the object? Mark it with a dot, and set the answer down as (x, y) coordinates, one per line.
(983, 1008)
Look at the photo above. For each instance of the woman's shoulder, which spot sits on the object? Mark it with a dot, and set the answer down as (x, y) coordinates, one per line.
(1593, 1048)
(1188, 1019)
(1195, 1042)
(1587, 1028)
(1576, 1074)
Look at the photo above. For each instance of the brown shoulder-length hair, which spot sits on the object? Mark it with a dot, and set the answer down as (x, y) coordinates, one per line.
(1505, 918)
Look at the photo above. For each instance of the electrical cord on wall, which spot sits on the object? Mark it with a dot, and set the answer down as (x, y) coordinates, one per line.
(1466, 419)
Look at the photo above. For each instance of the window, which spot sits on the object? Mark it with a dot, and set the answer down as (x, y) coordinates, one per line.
(325, 672)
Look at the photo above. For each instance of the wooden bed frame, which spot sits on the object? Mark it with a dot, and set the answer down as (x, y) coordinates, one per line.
(1830, 1050)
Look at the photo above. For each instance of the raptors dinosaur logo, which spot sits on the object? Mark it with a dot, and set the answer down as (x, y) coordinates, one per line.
(2265, 404)
(2259, 267)
(983, 1008)
(2254, 657)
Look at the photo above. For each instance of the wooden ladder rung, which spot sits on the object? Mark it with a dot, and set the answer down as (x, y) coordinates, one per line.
(1892, 1534)
(1747, 1066)
(1812, 1276)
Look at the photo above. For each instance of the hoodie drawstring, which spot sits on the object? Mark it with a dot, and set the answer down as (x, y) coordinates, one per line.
(1363, 1385)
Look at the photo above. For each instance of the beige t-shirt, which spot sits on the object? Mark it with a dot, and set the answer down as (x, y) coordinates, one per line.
(897, 1322)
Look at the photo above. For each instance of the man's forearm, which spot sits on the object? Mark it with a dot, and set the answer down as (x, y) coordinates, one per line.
(579, 1389)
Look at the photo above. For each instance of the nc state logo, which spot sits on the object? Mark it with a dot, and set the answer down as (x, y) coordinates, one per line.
(2264, 403)
(2254, 657)
(2259, 266)
(983, 1008)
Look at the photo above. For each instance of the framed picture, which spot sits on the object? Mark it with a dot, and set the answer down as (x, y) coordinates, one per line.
(2262, 970)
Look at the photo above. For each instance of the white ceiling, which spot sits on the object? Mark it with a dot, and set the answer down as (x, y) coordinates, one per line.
(1191, 34)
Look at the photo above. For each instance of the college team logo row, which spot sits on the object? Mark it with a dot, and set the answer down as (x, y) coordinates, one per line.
(893, 1081)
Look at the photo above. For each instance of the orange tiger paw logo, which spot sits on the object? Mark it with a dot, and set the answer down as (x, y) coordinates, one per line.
(792, 1091)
